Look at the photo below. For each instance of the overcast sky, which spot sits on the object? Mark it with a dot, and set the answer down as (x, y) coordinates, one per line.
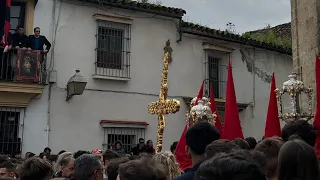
(246, 15)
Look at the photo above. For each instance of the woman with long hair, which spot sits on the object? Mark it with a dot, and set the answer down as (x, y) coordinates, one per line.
(149, 147)
(168, 160)
(297, 161)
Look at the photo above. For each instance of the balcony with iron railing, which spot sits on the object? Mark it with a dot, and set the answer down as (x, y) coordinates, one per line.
(22, 65)
(22, 76)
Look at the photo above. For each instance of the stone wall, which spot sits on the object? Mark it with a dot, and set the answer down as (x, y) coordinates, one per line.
(305, 38)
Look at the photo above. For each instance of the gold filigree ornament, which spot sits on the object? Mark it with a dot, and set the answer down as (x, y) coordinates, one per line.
(200, 112)
(163, 106)
(294, 88)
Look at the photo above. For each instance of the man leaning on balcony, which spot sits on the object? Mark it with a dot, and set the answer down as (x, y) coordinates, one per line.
(36, 42)
(19, 39)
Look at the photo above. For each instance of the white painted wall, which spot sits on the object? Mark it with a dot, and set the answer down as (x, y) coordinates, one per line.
(75, 124)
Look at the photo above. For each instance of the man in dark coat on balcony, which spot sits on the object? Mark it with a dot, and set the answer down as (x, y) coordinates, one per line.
(36, 42)
(19, 39)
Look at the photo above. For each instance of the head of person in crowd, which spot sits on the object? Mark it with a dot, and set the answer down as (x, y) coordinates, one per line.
(61, 157)
(243, 144)
(88, 167)
(35, 168)
(62, 151)
(145, 155)
(47, 151)
(113, 167)
(20, 30)
(198, 137)
(302, 129)
(118, 147)
(98, 153)
(142, 169)
(169, 162)
(52, 158)
(36, 31)
(149, 143)
(65, 167)
(3, 158)
(220, 146)
(8, 169)
(261, 159)
(252, 142)
(109, 155)
(26, 156)
(42, 155)
(31, 155)
(16, 155)
(79, 153)
(297, 160)
(141, 142)
(133, 157)
(173, 147)
(237, 165)
(270, 147)
(149, 147)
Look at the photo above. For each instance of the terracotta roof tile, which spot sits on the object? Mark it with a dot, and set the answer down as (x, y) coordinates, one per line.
(187, 27)
(142, 7)
(282, 30)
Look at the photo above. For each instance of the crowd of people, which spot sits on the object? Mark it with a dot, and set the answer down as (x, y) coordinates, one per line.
(290, 157)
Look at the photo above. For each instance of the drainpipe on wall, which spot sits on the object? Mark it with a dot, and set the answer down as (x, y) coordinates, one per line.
(47, 127)
(253, 81)
(179, 31)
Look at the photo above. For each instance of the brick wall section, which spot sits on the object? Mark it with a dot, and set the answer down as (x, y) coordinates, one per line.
(305, 23)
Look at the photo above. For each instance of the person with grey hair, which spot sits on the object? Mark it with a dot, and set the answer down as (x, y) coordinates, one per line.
(61, 157)
(88, 167)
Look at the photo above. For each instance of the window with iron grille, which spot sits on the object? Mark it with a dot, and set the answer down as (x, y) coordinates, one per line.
(129, 137)
(10, 130)
(113, 49)
(216, 76)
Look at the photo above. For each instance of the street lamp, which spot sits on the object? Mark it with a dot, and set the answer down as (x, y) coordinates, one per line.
(76, 85)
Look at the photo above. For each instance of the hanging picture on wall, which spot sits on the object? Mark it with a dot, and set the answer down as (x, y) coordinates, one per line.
(28, 65)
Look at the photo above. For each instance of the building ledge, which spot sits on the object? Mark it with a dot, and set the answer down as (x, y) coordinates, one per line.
(220, 103)
(14, 94)
(123, 124)
(95, 76)
(208, 46)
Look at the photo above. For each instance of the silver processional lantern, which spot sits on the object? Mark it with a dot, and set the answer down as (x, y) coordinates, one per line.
(295, 89)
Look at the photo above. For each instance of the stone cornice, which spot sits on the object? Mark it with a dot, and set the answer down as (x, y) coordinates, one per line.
(13, 94)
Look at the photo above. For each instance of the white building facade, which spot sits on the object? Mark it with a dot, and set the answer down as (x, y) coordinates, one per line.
(119, 50)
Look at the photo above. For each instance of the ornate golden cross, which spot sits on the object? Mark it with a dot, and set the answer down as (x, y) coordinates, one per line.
(163, 106)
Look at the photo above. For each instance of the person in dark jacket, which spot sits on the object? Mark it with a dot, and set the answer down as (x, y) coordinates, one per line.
(19, 39)
(198, 137)
(118, 147)
(139, 148)
(36, 41)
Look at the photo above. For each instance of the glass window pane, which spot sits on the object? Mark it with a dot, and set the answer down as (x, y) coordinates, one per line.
(15, 11)
(14, 22)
